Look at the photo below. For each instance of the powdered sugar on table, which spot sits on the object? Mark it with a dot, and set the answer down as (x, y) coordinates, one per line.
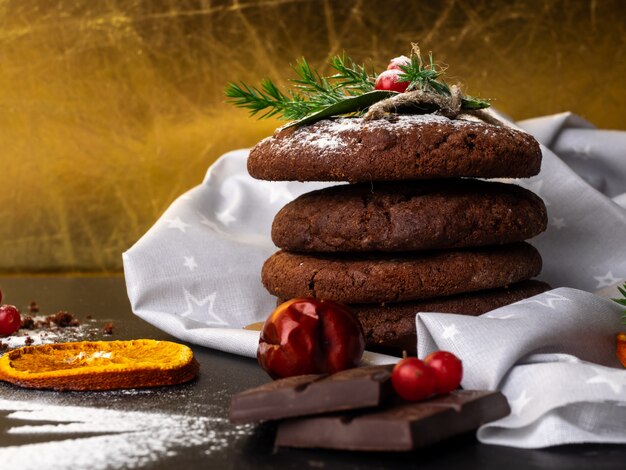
(87, 330)
(124, 439)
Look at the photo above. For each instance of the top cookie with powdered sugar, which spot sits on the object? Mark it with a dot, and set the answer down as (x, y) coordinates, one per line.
(399, 147)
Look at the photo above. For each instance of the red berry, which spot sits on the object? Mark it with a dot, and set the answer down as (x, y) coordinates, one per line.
(9, 320)
(310, 336)
(396, 62)
(389, 80)
(448, 370)
(412, 379)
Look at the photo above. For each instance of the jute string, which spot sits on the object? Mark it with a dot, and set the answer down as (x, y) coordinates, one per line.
(416, 101)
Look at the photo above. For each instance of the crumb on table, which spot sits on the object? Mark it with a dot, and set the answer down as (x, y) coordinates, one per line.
(108, 328)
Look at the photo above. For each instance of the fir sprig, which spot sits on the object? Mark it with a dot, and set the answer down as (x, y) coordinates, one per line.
(317, 88)
(423, 76)
(268, 98)
(622, 301)
(352, 77)
(313, 91)
(428, 77)
(350, 90)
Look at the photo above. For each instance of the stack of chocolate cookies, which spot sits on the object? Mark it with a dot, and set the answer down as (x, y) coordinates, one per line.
(413, 231)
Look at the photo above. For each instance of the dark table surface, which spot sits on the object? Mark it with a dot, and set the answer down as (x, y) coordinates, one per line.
(222, 375)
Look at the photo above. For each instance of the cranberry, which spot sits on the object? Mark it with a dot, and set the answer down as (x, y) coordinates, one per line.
(396, 62)
(389, 81)
(310, 336)
(412, 379)
(9, 320)
(448, 370)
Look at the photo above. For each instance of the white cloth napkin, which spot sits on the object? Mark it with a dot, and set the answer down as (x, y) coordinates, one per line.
(552, 355)
(196, 275)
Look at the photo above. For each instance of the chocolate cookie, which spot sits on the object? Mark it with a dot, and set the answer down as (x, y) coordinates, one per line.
(391, 327)
(380, 278)
(401, 147)
(406, 216)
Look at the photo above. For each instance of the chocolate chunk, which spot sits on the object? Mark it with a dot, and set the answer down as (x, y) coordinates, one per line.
(400, 427)
(313, 394)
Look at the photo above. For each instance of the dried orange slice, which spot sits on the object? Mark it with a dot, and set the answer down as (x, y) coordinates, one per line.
(99, 365)
(258, 326)
(621, 348)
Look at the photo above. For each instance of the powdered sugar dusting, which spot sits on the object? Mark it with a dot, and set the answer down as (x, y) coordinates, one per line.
(126, 439)
(334, 134)
(394, 123)
(322, 141)
(53, 334)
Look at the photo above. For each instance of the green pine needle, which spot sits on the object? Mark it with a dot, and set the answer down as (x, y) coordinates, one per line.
(313, 92)
(423, 77)
(268, 98)
(622, 301)
(352, 77)
(429, 78)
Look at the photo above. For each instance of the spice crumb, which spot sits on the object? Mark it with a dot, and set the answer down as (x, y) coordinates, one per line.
(27, 323)
(108, 328)
(63, 319)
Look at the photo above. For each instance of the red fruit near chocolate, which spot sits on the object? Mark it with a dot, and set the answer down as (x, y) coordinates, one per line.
(413, 380)
(390, 80)
(10, 320)
(396, 62)
(310, 336)
(448, 370)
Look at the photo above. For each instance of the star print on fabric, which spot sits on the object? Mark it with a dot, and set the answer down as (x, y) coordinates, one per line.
(190, 262)
(558, 223)
(546, 302)
(518, 405)
(615, 380)
(449, 332)
(177, 224)
(606, 280)
(225, 217)
(583, 151)
(195, 309)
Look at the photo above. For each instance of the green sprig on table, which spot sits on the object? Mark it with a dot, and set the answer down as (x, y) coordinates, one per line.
(622, 301)
(349, 91)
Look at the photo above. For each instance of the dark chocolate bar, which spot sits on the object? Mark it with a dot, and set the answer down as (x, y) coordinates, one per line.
(313, 394)
(399, 427)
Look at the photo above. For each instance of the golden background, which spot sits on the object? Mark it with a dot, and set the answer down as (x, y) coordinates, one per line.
(109, 109)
